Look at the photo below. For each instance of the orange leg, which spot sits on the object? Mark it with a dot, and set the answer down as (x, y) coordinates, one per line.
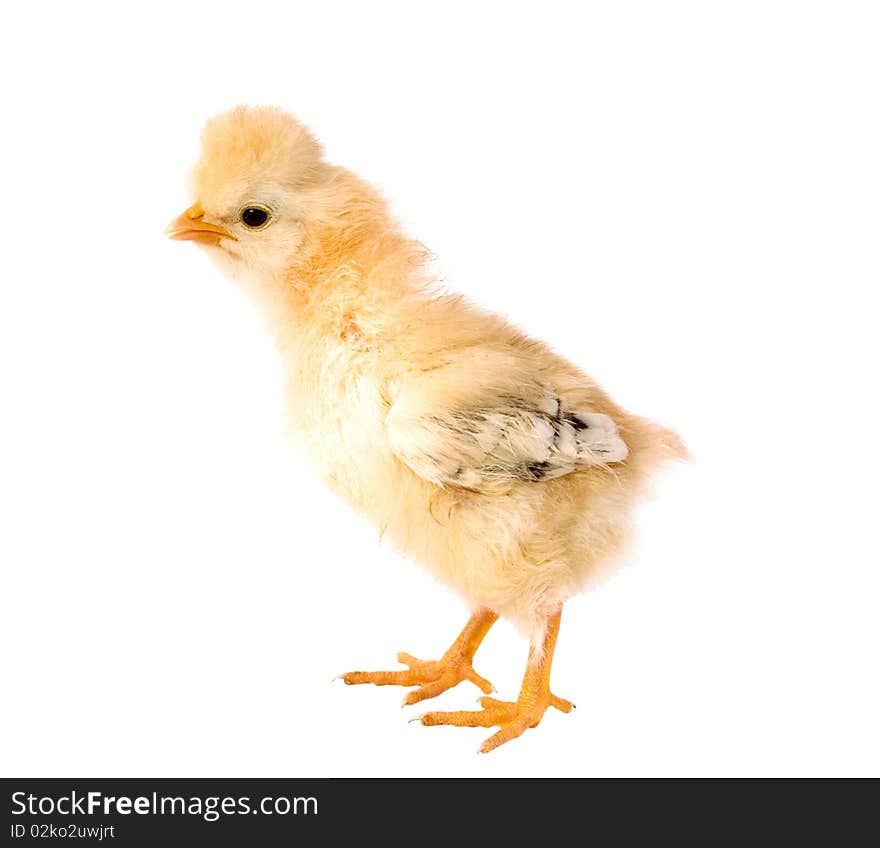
(436, 676)
(514, 718)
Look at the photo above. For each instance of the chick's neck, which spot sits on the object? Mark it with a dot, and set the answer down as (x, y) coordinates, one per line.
(355, 276)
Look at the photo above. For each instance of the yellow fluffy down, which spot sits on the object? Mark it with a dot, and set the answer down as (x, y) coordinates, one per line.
(476, 450)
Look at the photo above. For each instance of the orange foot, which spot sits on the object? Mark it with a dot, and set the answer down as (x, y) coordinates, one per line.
(431, 676)
(436, 676)
(512, 717)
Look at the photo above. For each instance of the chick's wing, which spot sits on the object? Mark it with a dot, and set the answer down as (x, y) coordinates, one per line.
(482, 422)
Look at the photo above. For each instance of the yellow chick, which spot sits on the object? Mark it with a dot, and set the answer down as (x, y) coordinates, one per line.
(496, 464)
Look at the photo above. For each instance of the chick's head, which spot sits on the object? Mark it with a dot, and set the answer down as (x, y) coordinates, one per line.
(254, 188)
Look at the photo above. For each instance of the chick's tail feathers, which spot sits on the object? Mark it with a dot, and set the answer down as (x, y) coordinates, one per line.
(672, 445)
(651, 444)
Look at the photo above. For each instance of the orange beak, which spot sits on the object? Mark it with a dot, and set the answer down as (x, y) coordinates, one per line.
(191, 227)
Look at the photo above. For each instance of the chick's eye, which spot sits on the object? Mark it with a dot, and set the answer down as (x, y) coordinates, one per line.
(254, 217)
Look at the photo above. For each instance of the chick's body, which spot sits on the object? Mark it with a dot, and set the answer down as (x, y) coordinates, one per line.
(519, 545)
(490, 460)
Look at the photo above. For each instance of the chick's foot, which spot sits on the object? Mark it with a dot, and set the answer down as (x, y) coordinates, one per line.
(512, 718)
(436, 676)
(431, 676)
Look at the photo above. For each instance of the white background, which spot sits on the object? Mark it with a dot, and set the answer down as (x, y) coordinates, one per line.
(682, 197)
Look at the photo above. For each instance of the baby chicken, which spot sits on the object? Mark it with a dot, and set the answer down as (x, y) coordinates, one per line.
(496, 464)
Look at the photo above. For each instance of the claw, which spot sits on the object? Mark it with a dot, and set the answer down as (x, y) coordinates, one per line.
(480, 682)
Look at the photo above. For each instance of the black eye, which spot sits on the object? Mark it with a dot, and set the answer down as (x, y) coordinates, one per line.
(254, 217)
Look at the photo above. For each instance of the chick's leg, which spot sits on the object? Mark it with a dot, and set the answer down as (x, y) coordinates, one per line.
(514, 718)
(436, 676)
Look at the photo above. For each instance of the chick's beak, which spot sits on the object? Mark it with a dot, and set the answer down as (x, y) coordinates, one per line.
(190, 226)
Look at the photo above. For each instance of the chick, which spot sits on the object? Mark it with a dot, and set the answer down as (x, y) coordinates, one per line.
(488, 459)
